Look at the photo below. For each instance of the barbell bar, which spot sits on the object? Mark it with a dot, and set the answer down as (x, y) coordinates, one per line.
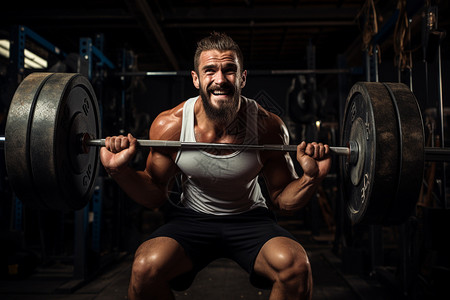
(345, 151)
(431, 153)
(52, 146)
(86, 142)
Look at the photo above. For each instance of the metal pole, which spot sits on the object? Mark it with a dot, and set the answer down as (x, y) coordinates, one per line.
(193, 145)
(367, 64)
(375, 63)
(441, 101)
(410, 57)
(250, 72)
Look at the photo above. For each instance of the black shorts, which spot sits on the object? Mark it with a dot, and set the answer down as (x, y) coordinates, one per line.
(206, 237)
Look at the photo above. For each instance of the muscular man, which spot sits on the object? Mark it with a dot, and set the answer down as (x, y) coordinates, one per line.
(222, 212)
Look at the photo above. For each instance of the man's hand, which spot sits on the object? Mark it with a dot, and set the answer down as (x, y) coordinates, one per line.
(315, 159)
(118, 152)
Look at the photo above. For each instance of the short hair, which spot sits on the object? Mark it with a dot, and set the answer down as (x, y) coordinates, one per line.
(217, 41)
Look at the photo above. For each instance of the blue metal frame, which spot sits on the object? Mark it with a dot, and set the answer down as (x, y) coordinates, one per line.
(43, 42)
(86, 54)
(103, 59)
(17, 48)
(88, 51)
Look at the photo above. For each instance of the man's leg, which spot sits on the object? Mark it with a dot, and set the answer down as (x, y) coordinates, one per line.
(286, 263)
(156, 262)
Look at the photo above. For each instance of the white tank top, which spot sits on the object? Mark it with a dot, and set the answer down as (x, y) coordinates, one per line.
(220, 184)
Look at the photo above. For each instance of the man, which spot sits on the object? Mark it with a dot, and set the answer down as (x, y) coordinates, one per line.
(222, 212)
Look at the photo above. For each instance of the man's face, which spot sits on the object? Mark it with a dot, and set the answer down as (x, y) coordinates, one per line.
(219, 80)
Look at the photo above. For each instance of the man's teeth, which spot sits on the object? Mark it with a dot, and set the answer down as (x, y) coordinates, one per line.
(219, 93)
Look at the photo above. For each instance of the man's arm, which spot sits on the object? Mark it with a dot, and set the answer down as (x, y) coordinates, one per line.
(287, 190)
(148, 187)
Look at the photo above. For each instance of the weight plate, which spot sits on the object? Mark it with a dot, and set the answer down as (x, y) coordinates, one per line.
(65, 109)
(370, 184)
(412, 158)
(17, 131)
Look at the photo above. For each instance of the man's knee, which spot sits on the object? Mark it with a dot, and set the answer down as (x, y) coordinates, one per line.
(151, 271)
(157, 261)
(146, 268)
(286, 263)
(292, 267)
(148, 275)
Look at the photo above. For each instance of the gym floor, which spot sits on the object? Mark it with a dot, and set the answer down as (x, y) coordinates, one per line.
(222, 279)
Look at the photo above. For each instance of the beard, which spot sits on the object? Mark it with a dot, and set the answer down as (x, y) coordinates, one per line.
(227, 111)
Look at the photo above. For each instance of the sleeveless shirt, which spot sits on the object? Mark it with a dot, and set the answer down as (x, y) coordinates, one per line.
(220, 184)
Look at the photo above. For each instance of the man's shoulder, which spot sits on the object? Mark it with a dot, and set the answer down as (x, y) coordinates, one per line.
(266, 118)
(271, 127)
(167, 125)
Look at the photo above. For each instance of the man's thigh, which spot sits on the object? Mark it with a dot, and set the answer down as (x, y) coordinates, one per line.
(196, 239)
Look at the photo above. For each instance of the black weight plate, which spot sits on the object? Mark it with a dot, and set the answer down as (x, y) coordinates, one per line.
(371, 183)
(17, 146)
(65, 109)
(412, 154)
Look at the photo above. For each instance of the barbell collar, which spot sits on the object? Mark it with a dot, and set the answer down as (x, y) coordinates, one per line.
(353, 152)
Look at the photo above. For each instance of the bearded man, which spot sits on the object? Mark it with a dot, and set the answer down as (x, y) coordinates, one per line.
(222, 212)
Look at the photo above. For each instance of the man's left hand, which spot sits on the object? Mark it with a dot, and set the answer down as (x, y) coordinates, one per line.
(315, 159)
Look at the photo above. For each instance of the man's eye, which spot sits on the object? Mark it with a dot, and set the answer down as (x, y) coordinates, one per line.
(230, 70)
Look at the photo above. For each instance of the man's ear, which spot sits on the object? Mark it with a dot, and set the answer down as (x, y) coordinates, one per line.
(243, 78)
(195, 80)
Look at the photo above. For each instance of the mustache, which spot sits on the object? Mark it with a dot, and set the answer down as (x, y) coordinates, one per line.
(227, 87)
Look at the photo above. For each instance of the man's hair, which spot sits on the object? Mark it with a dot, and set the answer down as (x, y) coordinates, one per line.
(217, 41)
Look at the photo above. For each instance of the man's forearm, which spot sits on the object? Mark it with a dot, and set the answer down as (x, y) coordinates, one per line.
(297, 193)
(138, 185)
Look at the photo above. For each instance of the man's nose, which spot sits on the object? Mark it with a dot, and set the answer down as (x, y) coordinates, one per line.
(219, 77)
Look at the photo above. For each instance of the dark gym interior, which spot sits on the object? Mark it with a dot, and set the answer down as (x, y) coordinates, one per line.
(302, 57)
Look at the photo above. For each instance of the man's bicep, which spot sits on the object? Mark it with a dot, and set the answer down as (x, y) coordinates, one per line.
(161, 168)
(160, 162)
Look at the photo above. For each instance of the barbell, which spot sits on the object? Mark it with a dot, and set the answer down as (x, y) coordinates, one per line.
(52, 142)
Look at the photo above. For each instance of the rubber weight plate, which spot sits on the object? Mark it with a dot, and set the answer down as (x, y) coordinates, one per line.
(371, 183)
(17, 136)
(64, 175)
(412, 145)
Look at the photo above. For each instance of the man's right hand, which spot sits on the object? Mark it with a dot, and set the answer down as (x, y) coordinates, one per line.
(118, 152)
